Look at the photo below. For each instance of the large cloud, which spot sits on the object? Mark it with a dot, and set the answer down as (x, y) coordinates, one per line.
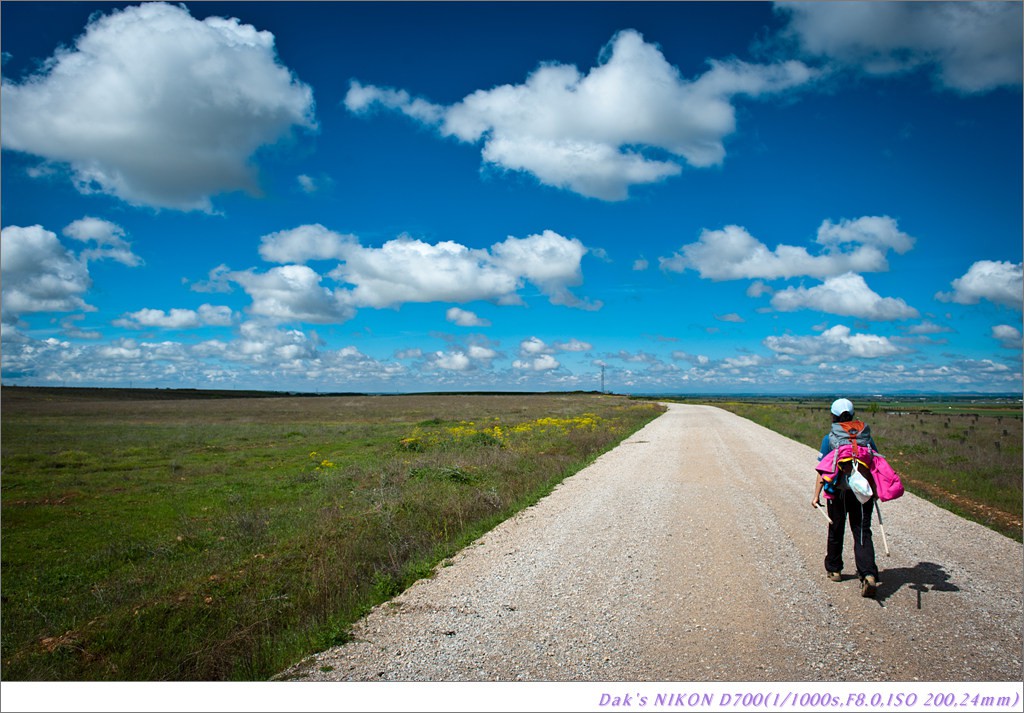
(835, 344)
(734, 254)
(847, 295)
(967, 46)
(597, 134)
(38, 274)
(156, 107)
(410, 270)
(206, 315)
(996, 281)
(405, 270)
(293, 293)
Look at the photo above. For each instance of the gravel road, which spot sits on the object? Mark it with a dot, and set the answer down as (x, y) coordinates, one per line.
(691, 553)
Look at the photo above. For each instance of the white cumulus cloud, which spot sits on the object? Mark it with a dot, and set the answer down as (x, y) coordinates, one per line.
(481, 353)
(452, 361)
(966, 46)
(533, 345)
(206, 315)
(465, 318)
(156, 107)
(742, 362)
(846, 295)
(304, 243)
(993, 280)
(544, 362)
(1007, 335)
(549, 261)
(832, 345)
(734, 254)
(293, 293)
(39, 274)
(109, 237)
(360, 99)
(401, 271)
(878, 231)
(599, 133)
(410, 270)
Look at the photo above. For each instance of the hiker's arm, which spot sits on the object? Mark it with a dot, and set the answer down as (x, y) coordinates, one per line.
(816, 502)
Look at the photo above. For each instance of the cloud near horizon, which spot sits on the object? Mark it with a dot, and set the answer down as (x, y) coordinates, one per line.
(595, 134)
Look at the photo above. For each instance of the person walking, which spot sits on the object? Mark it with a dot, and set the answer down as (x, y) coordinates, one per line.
(842, 504)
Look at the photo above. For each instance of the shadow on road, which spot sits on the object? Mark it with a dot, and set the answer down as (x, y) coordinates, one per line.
(924, 577)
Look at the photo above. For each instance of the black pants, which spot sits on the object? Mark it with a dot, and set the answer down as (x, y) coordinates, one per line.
(844, 505)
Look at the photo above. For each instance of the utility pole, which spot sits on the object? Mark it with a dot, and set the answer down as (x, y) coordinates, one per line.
(602, 378)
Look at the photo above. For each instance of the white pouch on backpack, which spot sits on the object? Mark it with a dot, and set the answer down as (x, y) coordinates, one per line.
(859, 485)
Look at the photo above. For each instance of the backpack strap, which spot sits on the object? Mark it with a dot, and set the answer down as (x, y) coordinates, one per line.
(852, 428)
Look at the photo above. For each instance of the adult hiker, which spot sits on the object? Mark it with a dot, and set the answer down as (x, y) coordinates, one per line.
(842, 501)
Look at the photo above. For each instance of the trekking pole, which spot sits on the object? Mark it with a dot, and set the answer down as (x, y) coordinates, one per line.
(881, 526)
(825, 513)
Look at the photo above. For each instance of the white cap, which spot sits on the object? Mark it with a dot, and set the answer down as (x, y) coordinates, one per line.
(839, 406)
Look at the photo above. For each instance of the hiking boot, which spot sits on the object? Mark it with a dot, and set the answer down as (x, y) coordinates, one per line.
(868, 586)
(834, 576)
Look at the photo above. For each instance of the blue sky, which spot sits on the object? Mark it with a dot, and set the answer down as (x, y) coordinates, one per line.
(391, 197)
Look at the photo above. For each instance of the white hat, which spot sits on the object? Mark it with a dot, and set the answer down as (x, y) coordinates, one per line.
(839, 406)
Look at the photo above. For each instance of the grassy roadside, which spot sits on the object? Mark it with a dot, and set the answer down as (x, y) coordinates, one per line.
(964, 457)
(223, 539)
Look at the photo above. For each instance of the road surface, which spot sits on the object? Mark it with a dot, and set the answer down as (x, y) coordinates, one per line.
(691, 553)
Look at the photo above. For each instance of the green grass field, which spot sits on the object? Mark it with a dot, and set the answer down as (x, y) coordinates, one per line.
(178, 536)
(159, 535)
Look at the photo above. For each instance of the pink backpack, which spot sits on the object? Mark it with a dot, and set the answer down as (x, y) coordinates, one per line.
(888, 485)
